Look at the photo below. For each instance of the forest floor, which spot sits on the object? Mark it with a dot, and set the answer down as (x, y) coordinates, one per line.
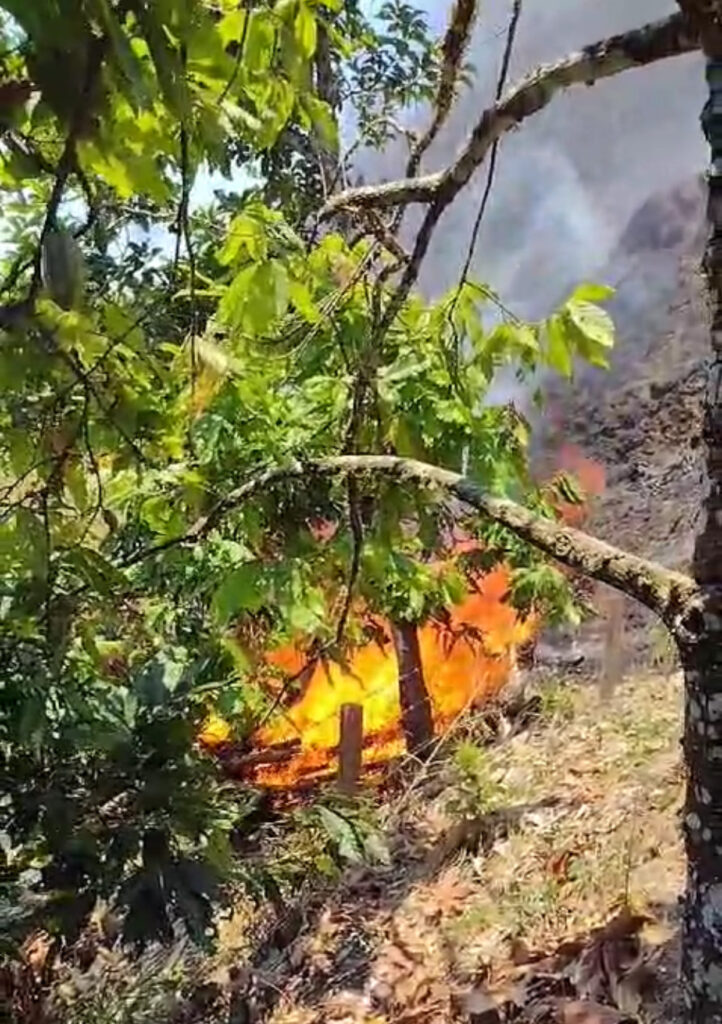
(529, 872)
(535, 881)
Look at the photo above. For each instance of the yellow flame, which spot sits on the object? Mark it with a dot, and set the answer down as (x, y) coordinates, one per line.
(464, 663)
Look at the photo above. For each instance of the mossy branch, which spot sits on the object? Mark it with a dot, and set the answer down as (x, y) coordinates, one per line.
(671, 595)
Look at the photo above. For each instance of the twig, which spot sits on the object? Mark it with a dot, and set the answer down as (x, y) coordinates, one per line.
(19, 266)
(90, 200)
(501, 85)
(184, 232)
(453, 49)
(68, 162)
(83, 377)
(239, 58)
(357, 535)
(99, 506)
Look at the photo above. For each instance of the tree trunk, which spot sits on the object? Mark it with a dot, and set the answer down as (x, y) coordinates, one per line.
(416, 718)
(350, 747)
(702, 923)
(701, 652)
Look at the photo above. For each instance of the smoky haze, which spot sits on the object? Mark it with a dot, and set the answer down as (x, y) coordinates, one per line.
(569, 178)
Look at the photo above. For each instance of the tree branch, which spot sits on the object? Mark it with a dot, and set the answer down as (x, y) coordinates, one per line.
(669, 37)
(706, 16)
(454, 47)
(671, 595)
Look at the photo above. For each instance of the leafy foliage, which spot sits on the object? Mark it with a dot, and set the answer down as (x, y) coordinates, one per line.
(153, 355)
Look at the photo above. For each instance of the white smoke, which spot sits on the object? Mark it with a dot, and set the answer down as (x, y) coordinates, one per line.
(570, 177)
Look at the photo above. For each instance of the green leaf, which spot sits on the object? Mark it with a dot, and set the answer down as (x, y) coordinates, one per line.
(246, 239)
(558, 353)
(343, 834)
(300, 297)
(101, 574)
(126, 59)
(231, 26)
(588, 292)
(159, 679)
(167, 61)
(307, 611)
(305, 30)
(260, 41)
(242, 590)
(594, 323)
(256, 298)
(323, 121)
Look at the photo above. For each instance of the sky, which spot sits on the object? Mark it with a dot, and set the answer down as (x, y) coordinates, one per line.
(570, 178)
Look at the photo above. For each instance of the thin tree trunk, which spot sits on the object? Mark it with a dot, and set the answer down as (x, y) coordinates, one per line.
(612, 666)
(416, 718)
(701, 651)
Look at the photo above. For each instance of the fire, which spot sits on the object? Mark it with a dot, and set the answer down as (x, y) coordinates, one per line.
(466, 661)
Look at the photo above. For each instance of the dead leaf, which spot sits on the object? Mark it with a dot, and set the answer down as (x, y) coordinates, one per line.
(573, 1011)
(447, 896)
(612, 952)
(35, 951)
(478, 1006)
(520, 954)
(629, 991)
(560, 864)
(586, 1012)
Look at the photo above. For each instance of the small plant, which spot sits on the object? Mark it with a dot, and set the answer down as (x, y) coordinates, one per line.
(116, 990)
(557, 700)
(663, 653)
(476, 789)
(527, 907)
(324, 839)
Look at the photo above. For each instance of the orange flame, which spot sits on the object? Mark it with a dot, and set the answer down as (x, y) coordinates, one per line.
(466, 661)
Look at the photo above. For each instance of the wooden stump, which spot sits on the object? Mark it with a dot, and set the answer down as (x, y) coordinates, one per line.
(350, 747)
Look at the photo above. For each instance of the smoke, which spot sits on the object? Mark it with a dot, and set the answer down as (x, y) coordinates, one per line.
(570, 178)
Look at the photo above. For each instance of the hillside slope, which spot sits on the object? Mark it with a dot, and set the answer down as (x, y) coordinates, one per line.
(533, 880)
(505, 873)
(642, 418)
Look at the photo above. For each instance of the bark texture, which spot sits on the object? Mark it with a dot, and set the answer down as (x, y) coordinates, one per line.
(350, 747)
(706, 16)
(456, 41)
(416, 718)
(674, 597)
(702, 649)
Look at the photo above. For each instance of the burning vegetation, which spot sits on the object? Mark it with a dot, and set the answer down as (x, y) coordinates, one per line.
(466, 658)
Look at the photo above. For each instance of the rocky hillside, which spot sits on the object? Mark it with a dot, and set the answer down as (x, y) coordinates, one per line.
(641, 419)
